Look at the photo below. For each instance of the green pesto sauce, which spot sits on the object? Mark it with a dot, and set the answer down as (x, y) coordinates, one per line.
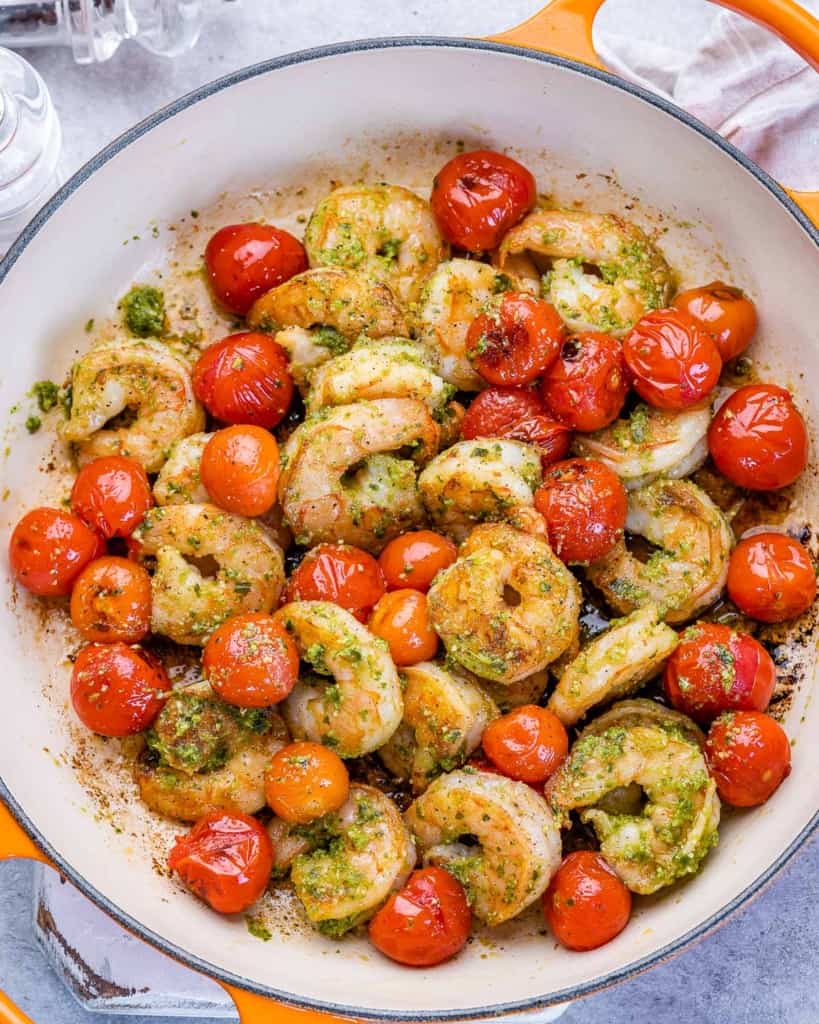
(143, 310)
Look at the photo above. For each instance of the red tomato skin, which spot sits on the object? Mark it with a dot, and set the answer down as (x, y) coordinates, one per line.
(517, 414)
(117, 690)
(586, 904)
(244, 379)
(423, 554)
(587, 384)
(226, 860)
(251, 661)
(244, 261)
(340, 573)
(771, 577)
(48, 550)
(758, 438)
(426, 923)
(112, 494)
(514, 345)
(715, 669)
(724, 312)
(528, 743)
(749, 755)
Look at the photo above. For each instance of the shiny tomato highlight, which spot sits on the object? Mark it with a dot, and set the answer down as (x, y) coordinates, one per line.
(527, 744)
(771, 577)
(519, 415)
(415, 559)
(117, 690)
(251, 661)
(244, 261)
(401, 619)
(111, 600)
(340, 573)
(724, 312)
(112, 494)
(586, 904)
(516, 343)
(587, 384)
(49, 548)
(749, 755)
(305, 781)
(240, 470)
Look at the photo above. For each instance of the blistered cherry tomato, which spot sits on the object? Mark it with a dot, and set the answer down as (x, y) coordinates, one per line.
(240, 470)
(340, 573)
(415, 559)
(527, 744)
(758, 438)
(517, 414)
(251, 660)
(586, 904)
(111, 600)
(246, 260)
(584, 504)
(477, 197)
(749, 755)
(515, 344)
(112, 494)
(724, 312)
(244, 378)
(771, 577)
(717, 669)
(426, 923)
(48, 550)
(587, 384)
(226, 860)
(401, 618)
(117, 690)
(305, 781)
(673, 362)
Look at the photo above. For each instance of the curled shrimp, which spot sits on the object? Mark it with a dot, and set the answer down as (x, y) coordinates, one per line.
(353, 700)
(185, 604)
(605, 272)
(689, 569)
(641, 742)
(179, 482)
(518, 839)
(507, 606)
(140, 381)
(445, 715)
(507, 696)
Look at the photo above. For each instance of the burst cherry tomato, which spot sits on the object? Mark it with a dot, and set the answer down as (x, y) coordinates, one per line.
(520, 415)
(586, 904)
(527, 744)
(587, 384)
(758, 439)
(749, 755)
(340, 573)
(414, 559)
(584, 505)
(771, 577)
(401, 618)
(716, 669)
(251, 660)
(117, 690)
(244, 378)
(112, 495)
(673, 361)
(240, 470)
(426, 923)
(246, 260)
(724, 312)
(305, 781)
(48, 550)
(518, 342)
(111, 600)
(226, 860)
(477, 197)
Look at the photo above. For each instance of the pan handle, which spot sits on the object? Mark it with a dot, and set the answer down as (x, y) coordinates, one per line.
(564, 27)
(14, 842)
(256, 1009)
(11, 1014)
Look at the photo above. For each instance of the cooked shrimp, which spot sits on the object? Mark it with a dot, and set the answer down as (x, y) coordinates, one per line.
(357, 706)
(146, 385)
(650, 443)
(629, 276)
(179, 482)
(689, 570)
(518, 839)
(507, 607)
(345, 476)
(528, 690)
(445, 715)
(385, 231)
(288, 841)
(642, 742)
(186, 605)
(364, 853)
(614, 664)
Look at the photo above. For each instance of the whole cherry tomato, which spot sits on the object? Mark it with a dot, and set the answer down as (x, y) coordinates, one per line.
(527, 744)
(771, 577)
(586, 904)
(477, 197)
(520, 415)
(240, 470)
(584, 504)
(340, 573)
(244, 378)
(749, 755)
(251, 660)
(226, 860)
(724, 312)
(674, 363)
(586, 386)
(426, 923)
(716, 669)
(516, 343)
(117, 690)
(49, 548)
(758, 438)
(246, 260)
(111, 600)
(305, 781)
(401, 618)
(415, 559)
(112, 494)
